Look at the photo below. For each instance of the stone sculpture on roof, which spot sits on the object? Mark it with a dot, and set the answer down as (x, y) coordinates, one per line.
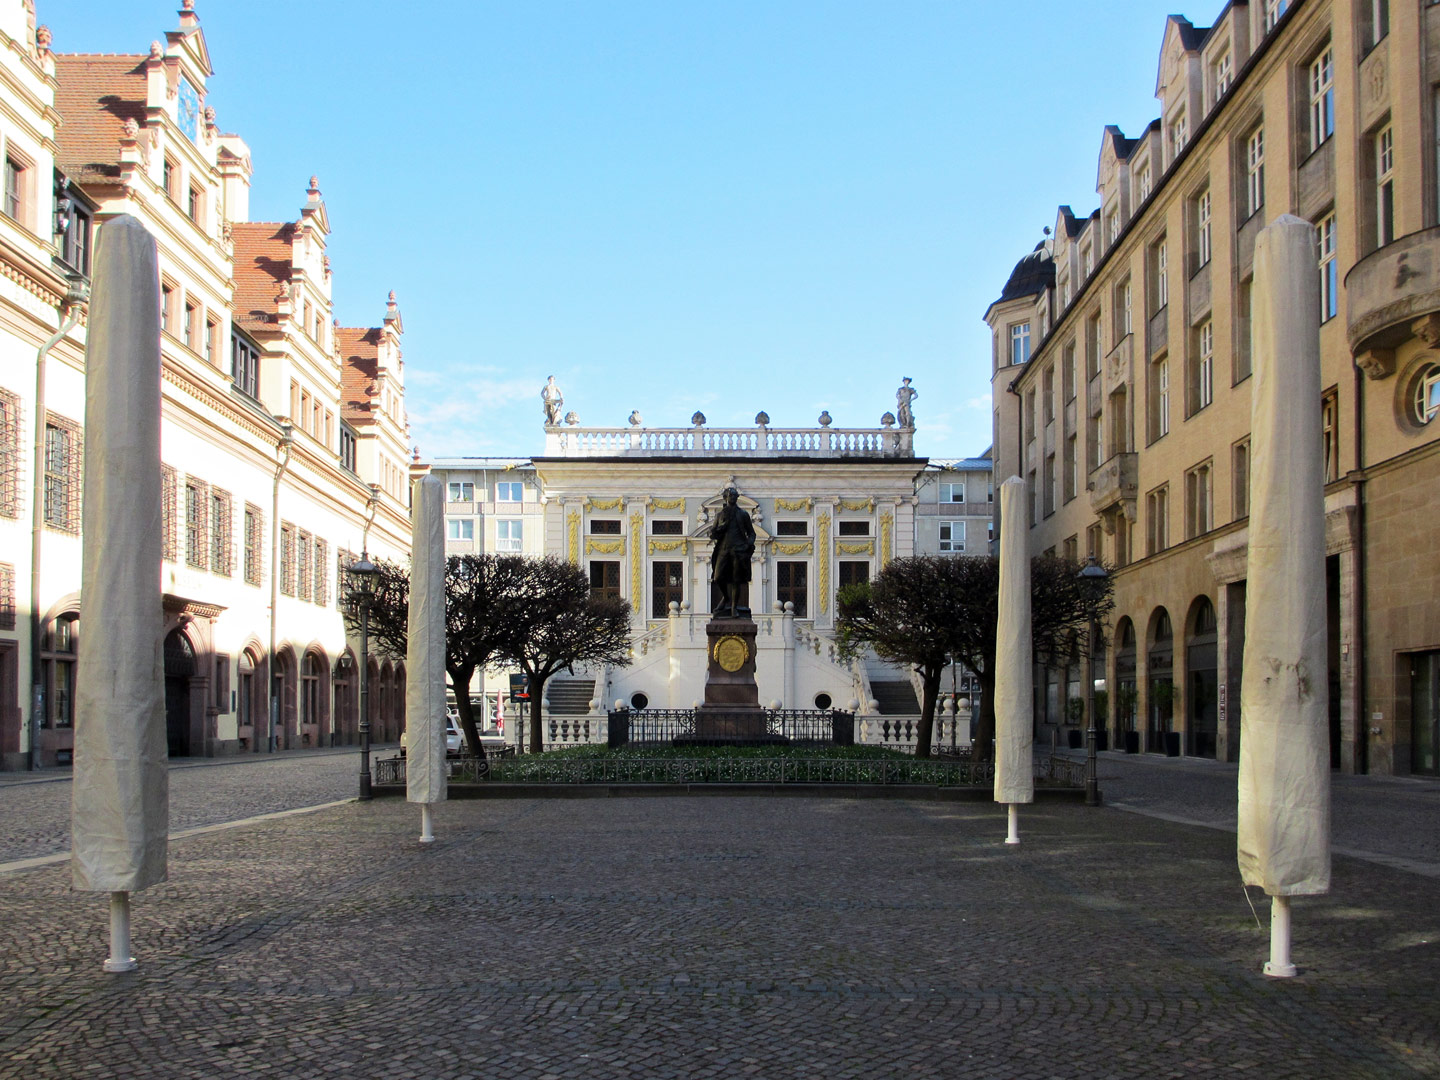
(553, 400)
(903, 397)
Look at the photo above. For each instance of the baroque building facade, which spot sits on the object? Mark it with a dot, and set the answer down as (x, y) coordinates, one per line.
(283, 434)
(1122, 359)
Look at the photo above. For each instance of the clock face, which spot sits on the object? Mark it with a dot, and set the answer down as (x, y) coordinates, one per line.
(189, 110)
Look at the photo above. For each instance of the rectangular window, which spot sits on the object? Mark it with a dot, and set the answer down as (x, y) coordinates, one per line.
(78, 222)
(7, 596)
(168, 172)
(1142, 184)
(1162, 275)
(1198, 518)
(605, 527)
(952, 536)
(459, 529)
(1094, 541)
(287, 558)
(952, 493)
(221, 529)
(14, 189)
(1255, 172)
(667, 586)
(667, 528)
(254, 544)
(212, 340)
(1329, 270)
(850, 572)
(1020, 343)
(792, 528)
(1158, 392)
(1202, 229)
(1384, 186)
(1049, 484)
(1240, 478)
(1092, 346)
(1322, 98)
(1123, 304)
(509, 491)
(10, 440)
(303, 580)
(461, 491)
(1379, 21)
(347, 447)
(510, 535)
(169, 519)
(1179, 136)
(1221, 76)
(605, 580)
(1207, 364)
(1330, 434)
(190, 326)
(1242, 331)
(1157, 520)
(245, 367)
(64, 472)
(853, 528)
(194, 205)
(1067, 372)
(1070, 468)
(321, 563)
(792, 585)
(1273, 10)
(167, 301)
(1112, 227)
(1048, 397)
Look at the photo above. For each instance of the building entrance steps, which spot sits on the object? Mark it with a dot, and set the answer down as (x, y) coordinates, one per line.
(896, 697)
(569, 697)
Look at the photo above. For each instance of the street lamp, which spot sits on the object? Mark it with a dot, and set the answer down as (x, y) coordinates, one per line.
(1092, 577)
(366, 576)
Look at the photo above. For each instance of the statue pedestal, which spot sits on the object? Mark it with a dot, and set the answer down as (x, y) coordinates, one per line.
(731, 712)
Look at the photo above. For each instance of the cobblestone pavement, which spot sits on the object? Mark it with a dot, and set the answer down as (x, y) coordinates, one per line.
(35, 815)
(717, 937)
(1388, 818)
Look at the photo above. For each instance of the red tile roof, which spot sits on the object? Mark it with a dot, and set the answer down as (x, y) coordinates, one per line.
(97, 94)
(262, 264)
(359, 364)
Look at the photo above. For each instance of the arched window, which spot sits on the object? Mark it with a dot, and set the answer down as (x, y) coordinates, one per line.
(57, 671)
(1201, 679)
(310, 672)
(245, 703)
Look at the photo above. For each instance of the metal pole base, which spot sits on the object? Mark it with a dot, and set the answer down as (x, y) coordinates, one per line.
(120, 959)
(1279, 965)
(1014, 836)
(427, 829)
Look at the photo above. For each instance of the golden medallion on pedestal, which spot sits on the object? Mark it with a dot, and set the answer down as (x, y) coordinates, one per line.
(731, 653)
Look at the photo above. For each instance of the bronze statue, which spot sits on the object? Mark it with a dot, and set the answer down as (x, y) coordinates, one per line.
(734, 537)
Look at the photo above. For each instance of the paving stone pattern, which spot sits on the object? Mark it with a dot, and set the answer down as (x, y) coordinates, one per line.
(35, 817)
(717, 937)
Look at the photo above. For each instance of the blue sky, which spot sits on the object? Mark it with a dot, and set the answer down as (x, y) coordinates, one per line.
(671, 206)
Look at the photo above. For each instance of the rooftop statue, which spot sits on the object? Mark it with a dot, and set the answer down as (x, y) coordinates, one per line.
(553, 400)
(903, 397)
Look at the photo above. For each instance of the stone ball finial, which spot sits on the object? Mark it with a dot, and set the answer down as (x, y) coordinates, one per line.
(698, 419)
(572, 419)
(635, 419)
(888, 420)
(155, 50)
(762, 418)
(825, 420)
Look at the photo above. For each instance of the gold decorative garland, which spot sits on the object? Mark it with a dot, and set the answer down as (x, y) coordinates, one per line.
(572, 526)
(668, 504)
(857, 547)
(794, 504)
(887, 530)
(858, 504)
(667, 545)
(604, 504)
(604, 547)
(637, 559)
(801, 547)
(822, 532)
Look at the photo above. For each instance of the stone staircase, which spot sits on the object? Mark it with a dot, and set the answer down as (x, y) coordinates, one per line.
(896, 697)
(569, 697)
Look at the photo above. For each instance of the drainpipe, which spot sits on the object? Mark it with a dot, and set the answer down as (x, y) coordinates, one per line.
(77, 292)
(1360, 640)
(287, 441)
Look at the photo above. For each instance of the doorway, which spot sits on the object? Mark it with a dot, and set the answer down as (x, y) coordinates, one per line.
(1425, 713)
(179, 670)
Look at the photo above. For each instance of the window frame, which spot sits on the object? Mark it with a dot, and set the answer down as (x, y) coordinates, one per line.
(459, 529)
(1328, 237)
(1254, 171)
(1320, 82)
(513, 538)
(948, 544)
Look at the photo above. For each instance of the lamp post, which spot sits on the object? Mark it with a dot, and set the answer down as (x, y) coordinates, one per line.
(365, 575)
(1092, 576)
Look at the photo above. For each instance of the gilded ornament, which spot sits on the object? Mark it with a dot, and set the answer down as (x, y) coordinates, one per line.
(572, 526)
(603, 547)
(605, 504)
(887, 529)
(793, 504)
(857, 504)
(822, 531)
(801, 547)
(855, 547)
(667, 545)
(637, 558)
(731, 652)
(668, 504)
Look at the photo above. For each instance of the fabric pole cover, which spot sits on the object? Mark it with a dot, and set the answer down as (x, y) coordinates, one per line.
(1283, 837)
(120, 794)
(425, 649)
(1014, 673)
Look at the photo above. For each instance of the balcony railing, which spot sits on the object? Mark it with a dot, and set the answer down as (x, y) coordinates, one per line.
(576, 442)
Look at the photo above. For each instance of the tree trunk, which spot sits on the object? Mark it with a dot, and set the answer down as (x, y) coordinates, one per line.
(537, 698)
(984, 746)
(930, 689)
(460, 683)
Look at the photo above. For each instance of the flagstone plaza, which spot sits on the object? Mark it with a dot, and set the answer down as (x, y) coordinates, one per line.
(717, 937)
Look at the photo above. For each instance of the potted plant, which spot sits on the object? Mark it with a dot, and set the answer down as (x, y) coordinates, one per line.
(1102, 712)
(1125, 701)
(1162, 699)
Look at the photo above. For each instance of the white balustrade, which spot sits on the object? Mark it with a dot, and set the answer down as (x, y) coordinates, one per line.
(579, 442)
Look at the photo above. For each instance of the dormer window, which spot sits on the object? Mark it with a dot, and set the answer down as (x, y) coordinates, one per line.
(1142, 183)
(1179, 135)
(1112, 226)
(1273, 10)
(1221, 76)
